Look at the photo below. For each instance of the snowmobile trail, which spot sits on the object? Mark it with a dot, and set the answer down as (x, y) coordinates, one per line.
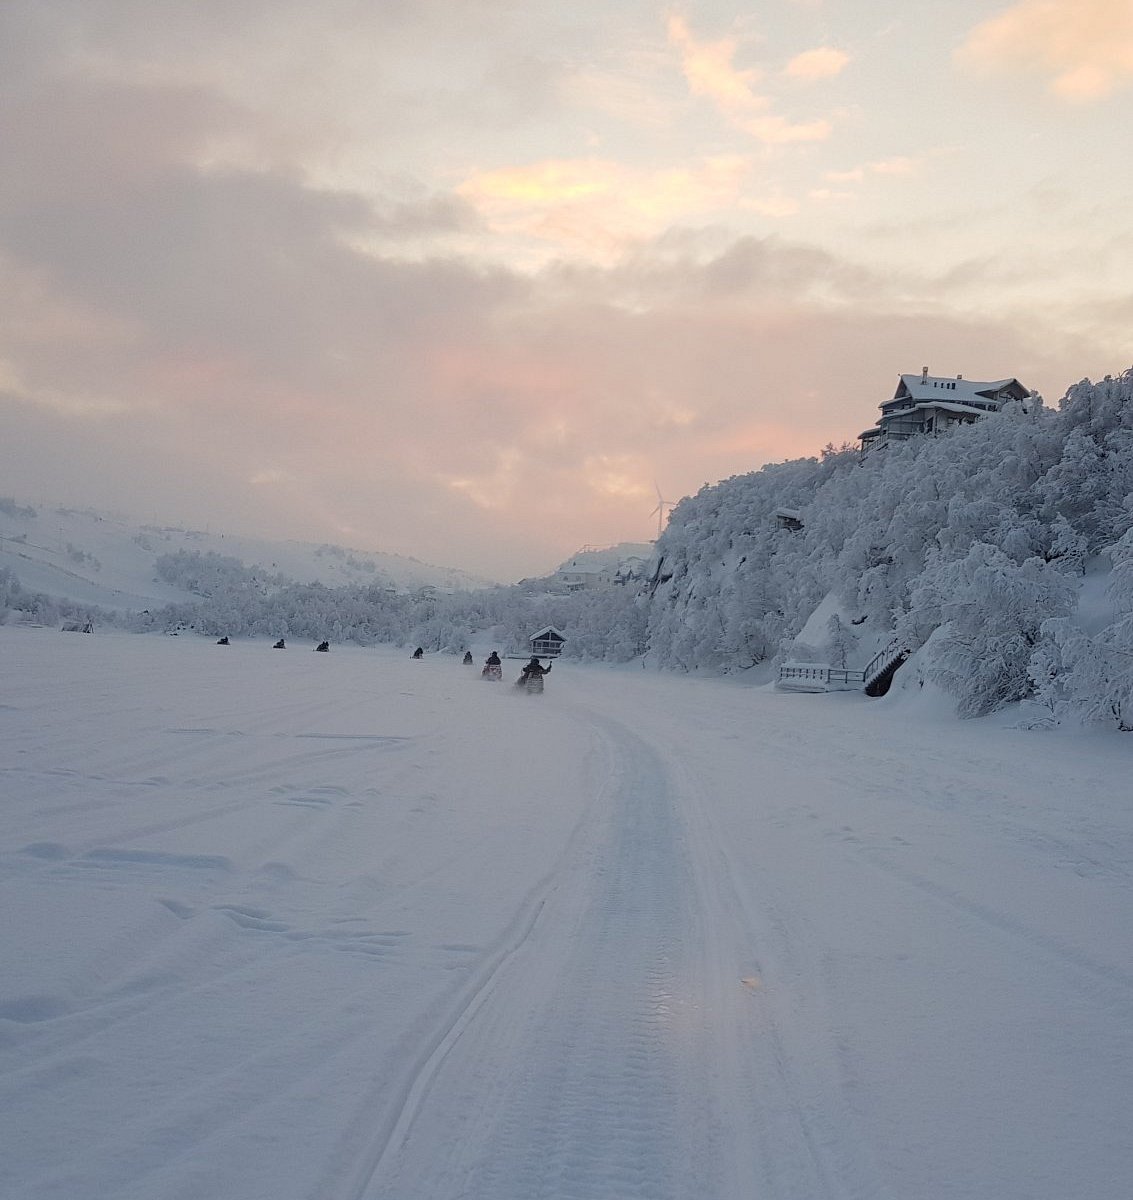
(563, 1083)
(622, 1046)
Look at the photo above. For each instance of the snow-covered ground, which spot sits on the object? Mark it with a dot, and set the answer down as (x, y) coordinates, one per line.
(346, 926)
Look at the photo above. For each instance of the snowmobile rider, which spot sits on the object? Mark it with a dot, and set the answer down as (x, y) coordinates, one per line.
(493, 660)
(534, 667)
(468, 658)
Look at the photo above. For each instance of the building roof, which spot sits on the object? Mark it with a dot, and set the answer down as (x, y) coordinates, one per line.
(971, 391)
(551, 631)
(945, 405)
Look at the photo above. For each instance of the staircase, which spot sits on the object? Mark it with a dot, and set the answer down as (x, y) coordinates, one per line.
(879, 673)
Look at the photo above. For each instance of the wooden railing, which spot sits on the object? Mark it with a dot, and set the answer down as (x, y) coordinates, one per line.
(821, 676)
(883, 660)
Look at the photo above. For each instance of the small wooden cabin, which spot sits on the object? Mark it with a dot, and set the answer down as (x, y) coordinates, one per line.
(547, 643)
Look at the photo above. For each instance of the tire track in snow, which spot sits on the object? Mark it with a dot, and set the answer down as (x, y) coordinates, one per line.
(561, 1078)
(602, 1112)
(367, 1165)
(411, 1093)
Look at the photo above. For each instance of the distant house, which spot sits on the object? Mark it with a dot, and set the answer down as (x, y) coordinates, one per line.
(547, 643)
(578, 577)
(788, 518)
(630, 570)
(929, 404)
(601, 567)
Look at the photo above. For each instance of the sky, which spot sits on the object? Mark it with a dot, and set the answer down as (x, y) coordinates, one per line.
(477, 281)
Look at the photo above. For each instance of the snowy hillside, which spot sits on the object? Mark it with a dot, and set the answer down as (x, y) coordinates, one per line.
(290, 925)
(607, 558)
(108, 561)
(999, 554)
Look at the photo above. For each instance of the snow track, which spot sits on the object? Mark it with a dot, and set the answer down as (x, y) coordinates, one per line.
(626, 1047)
(579, 1021)
(346, 927)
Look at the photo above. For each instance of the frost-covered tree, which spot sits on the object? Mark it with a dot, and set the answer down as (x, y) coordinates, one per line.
(841, 642)
(987, 612)
(1089, 678)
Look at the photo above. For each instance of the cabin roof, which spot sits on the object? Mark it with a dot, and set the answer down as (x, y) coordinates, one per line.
(548, 632)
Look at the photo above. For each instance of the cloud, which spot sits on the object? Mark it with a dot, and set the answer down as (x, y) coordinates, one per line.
(499, 423)
(822, 63)
(1084, 48)
(195, 319)
(598, 206)
(710, 71)
(843, 180)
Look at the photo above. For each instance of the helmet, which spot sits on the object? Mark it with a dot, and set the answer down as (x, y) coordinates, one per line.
(535, 658)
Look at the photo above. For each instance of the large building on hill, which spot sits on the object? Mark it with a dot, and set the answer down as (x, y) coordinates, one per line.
(929, 404)
(592, 567)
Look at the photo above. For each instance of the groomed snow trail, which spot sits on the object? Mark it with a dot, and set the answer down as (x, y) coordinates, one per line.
(347, 927)
(625, 1050)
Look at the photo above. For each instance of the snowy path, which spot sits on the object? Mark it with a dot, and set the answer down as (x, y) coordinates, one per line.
(349, 927)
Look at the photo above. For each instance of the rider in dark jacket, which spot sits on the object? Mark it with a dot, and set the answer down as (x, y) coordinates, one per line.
(533, 668)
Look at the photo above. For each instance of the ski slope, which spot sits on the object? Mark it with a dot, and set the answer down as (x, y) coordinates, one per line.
(347, 926)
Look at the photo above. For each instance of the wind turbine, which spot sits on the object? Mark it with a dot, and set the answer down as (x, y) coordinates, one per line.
(659, 511)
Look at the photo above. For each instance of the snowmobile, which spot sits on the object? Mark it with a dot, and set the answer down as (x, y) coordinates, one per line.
(531, 684)
(493, 672)
(531, 679)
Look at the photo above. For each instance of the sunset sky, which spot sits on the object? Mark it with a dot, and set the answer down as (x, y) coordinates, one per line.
(468, 279)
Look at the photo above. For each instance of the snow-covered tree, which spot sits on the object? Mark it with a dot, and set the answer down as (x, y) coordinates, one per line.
(1089, 678)
(988, 612)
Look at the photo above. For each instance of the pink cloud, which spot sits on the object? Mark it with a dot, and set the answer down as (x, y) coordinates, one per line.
(221, 338)
(599, 206)
(710, 71)
(1084, 48)
(822, 63)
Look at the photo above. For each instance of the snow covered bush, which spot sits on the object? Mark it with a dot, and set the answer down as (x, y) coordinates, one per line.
(1089, 678)
(988, 612)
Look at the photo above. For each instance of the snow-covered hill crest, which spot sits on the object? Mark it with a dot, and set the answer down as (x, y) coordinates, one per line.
(108, 561)
(1002, 548)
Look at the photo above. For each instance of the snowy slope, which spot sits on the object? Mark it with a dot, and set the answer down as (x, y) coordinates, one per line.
(607, 558)
(354, 927)
(100, 559)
